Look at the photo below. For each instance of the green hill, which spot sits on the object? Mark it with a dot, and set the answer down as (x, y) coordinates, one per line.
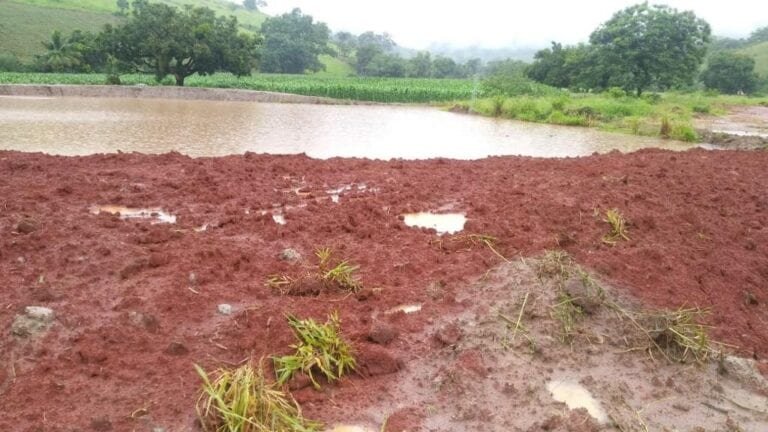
(24, 24)
(760, 53)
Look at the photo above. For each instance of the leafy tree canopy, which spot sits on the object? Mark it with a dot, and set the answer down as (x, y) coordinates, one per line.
(730, 73)
(165, 40)
(653, 45)
(292, 43)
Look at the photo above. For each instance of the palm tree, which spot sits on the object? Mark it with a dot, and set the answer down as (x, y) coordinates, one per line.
(62, 54)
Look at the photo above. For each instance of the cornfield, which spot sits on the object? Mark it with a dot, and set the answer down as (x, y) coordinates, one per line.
(394, 90)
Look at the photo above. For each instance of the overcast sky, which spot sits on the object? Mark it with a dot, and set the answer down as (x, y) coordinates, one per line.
(499, 23)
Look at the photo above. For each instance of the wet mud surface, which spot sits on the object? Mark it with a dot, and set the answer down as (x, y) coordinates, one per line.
(136, 303)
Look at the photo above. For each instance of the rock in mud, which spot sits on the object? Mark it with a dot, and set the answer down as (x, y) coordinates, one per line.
(177, 349)
(382, 333)
(374, 360)
(290, 255)
(36, 320)
(744, 371)
(27, 226)
(224, 309)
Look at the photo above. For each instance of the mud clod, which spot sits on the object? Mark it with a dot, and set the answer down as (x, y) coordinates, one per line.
(27, 226)
(36, 320)
(177, 349)
(374, 360)
(290, 255)
(382, 333)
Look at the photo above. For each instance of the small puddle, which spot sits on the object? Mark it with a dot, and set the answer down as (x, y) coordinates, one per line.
(279, 219)
(407, 309)
(349, 428)
(156, 215)
(575, 396)
(443, 223)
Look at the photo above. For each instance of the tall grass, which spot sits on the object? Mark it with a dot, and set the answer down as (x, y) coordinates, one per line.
(669, 115)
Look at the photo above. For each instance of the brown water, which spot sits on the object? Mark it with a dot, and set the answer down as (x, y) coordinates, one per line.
(79, 126)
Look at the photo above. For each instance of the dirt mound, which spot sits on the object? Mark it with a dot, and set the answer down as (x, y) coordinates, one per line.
(136, 302)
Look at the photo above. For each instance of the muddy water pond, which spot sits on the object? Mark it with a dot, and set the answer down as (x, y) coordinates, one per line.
(79, 126)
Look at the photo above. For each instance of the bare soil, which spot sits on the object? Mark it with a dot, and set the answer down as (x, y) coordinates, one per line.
(136, 304)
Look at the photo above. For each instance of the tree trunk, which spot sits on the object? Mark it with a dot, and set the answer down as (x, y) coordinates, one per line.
(179, 80)
(639, 91)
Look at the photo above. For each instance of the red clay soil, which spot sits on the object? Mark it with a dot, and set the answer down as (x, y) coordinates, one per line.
(136, 304)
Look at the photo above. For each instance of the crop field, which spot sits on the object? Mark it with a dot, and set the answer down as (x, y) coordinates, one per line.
(398, 90)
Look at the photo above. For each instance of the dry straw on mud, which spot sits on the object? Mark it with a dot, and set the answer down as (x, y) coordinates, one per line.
(342, 275)
(241, 400)
(321, 348)
(618, 227)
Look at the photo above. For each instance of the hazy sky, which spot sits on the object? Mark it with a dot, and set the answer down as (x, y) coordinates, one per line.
(498, 23)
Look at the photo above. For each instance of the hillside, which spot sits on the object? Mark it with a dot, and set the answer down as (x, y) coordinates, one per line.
(760, 53)
(24, 24)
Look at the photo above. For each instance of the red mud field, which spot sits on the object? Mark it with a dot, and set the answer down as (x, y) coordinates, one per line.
(136, 304)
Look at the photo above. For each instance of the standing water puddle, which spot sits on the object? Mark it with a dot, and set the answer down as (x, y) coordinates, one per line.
(443, 223)
(575, 396)
(79, 126)
(406, 309)
(156, 215)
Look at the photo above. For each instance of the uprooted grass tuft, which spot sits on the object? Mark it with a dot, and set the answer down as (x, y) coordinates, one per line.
(567, 313)
(555, 264)
(618, 227)
(469, 241)
(679, 335)
(241, 400)
(321, 348)
(342, 275)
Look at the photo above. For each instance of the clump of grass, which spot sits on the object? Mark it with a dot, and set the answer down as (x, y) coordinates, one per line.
(567, 313)
(618, 227)
(680, 335)
(677, 335)
(320, 348)
(241, 400)
(341, 275)
(555, 264)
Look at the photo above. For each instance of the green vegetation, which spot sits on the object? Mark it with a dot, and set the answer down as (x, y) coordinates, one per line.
(241, 400)
(24, 26)
(404, 90)
(165, 41)
(643, 46)
(730, 73)
(759, 52)
(668, 115)
(320, 349)
(292, 43)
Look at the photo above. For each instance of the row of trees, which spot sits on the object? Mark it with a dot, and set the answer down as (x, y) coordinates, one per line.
(158, 39)
(644, 47)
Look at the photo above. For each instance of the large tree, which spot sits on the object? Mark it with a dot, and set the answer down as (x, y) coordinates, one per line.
(730, 73)
(653, 45)
(167, 41)
(292, 43)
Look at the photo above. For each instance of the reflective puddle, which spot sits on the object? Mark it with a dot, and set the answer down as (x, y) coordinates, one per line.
(575, 396)
(443, 223)
(350, 428)
(155, 215)
(407, 309)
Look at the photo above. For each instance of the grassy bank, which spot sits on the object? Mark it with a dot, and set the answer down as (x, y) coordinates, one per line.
(405, 90)
(668, 115)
